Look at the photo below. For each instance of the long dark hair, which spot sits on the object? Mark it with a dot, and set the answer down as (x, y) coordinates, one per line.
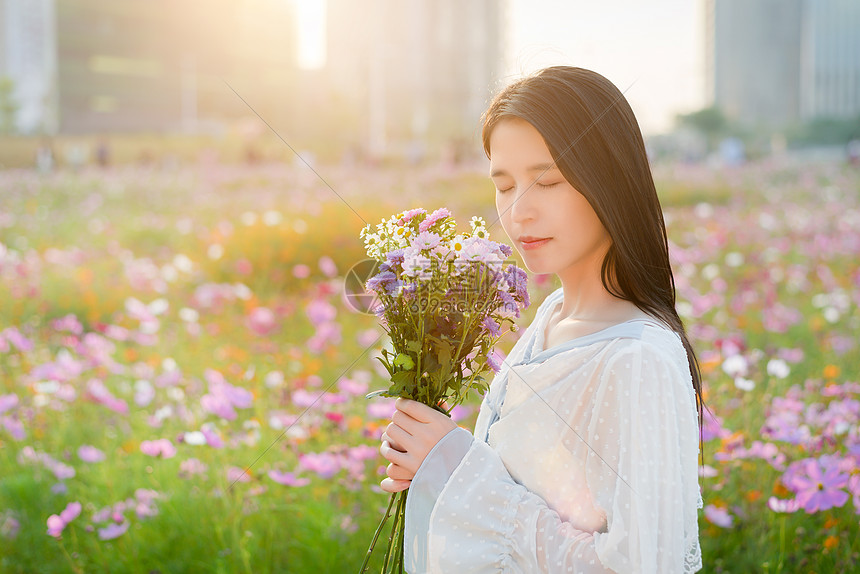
(596, 143)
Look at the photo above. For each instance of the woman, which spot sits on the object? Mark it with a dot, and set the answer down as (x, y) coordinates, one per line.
(584, 452)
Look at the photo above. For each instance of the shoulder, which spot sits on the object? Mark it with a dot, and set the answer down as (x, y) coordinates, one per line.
(657, 351)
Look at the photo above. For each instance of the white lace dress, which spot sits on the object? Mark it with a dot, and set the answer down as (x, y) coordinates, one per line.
(584, 460)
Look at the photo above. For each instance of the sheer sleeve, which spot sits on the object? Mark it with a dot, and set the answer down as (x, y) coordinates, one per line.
(641, 441)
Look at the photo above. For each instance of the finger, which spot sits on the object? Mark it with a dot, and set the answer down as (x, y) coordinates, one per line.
(392, 443)
(406, 422)
(397, 472)
(399, 438)
(391, 485)
(414, 409)
(400, 458)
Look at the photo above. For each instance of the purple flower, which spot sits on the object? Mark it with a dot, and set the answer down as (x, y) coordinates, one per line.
(460, 412)
(395, 257)
(88, 453)
(718, 516)
(223, 397)
(494, 360)
(8, 402)
(113, 530)
(380, 280)
(13, 426)
(320, 311)
(818, 487)
(491, 326)
(72, 511)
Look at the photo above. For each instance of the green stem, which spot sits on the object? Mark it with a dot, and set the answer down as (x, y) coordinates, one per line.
(388, 551)
(376, 535)
(781, 543)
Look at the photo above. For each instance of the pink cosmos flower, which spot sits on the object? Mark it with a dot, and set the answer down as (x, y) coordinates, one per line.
(161, 447)
(262, 321)
(327, 266)
(236, 474)
(325, 464)
(326, 334)
(68, 323)
(434, 217)
(190, 467)
(288, 478)
(100, 393)
(381, 408)
(426, 240)
(301, 271)
(783, 505)
(352, 387)
(57, 523)
(718, 516)
(14, 336)
(88, 453)
(320, 311)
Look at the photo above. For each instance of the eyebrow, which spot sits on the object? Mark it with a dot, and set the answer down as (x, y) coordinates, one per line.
(537, 167)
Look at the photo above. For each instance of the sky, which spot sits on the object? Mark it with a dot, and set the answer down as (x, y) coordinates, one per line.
(653, 51)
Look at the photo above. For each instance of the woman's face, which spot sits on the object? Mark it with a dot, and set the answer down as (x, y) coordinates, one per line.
(534, 201)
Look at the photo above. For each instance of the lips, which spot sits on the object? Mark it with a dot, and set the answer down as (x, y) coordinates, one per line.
(528, 242)
(530, 239)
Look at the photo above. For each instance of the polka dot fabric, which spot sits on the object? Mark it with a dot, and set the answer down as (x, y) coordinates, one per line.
(589, 463)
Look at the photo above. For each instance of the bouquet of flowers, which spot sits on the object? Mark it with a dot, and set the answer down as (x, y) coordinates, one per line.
(442, 298)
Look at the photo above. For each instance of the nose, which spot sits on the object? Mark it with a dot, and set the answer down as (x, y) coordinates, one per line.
(522, 207)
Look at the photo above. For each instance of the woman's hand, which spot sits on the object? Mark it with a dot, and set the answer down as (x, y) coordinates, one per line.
(414, 431)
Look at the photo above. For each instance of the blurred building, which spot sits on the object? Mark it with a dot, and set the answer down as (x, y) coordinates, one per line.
(28, 57)
(415, 71)
(830, 59)
(159, 65)
(398, 76)
(771, 63)
(87, 66)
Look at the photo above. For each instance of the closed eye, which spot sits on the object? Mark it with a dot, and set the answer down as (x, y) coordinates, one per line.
(537, 183)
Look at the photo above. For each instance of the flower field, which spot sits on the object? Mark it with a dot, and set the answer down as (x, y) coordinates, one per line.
(182, 374)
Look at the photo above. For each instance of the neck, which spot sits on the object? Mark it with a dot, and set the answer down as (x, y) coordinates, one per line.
(585, 297)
